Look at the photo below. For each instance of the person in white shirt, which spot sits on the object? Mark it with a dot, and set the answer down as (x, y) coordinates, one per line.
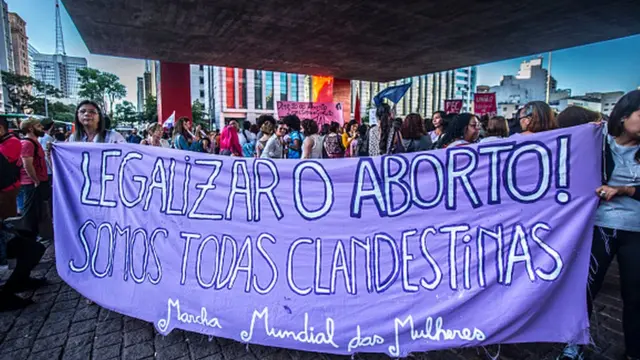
(90, 125)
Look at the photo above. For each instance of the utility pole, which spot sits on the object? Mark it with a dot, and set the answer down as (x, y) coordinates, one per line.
(549, 78)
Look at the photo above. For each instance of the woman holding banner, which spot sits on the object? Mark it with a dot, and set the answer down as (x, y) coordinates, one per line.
(536, 117)
(463, 130)
(90, 125)
(183, 139)
(617, 221)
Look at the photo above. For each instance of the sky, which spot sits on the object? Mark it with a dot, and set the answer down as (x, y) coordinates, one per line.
(607, 66)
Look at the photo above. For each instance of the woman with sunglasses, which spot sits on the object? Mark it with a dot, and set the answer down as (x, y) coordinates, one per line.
(536, 117)
(276, 144)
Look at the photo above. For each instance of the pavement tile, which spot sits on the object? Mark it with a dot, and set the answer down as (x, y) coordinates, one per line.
(86, 313)
(108, 326)
(174, 351)
(138, 351)
(16, 344)
(202, 348)
(106, 352)
(16, 355)
(103, 340)
(173, 337)
(47, 354)
(49, 342)
(51, 328)
(82, 327)
(79, 340)
(137, 336)
(82, 352)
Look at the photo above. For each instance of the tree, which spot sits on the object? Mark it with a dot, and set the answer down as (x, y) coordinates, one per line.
(19, 90)
(197, 114)
(125, 114)
(150, 113)
(57, 110)
(102, 87)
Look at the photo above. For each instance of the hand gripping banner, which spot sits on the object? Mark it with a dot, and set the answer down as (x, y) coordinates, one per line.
(466, 246)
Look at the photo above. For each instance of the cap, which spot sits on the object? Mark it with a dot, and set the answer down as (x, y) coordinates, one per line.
(26, 124)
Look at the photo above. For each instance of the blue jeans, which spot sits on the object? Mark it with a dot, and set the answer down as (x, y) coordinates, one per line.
(20, 200)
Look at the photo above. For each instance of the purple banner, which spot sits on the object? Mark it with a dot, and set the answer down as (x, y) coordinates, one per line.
(466, 246)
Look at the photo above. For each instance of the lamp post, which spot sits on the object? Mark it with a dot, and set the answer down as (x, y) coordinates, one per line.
(43, 69)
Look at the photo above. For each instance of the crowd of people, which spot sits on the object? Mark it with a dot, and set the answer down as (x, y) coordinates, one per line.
(25, 186)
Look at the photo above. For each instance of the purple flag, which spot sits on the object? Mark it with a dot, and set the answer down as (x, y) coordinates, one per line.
(466, 246)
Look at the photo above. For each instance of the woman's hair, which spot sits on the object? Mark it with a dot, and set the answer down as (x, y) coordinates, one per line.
(180, 129)
(442, 113)
(457, 128)
(310, 127)
(292, 121)
(246, 125)
(577, 115)
(541, 116)
(154, 127)
(497, 126)
(362, 130)
(383, 114)
(413, 127)
(229, 138)
(267, 128)
(266, 118)
(428, 125)
(79, 128)
(334, 127)
(350, 125)
(254, 128)
(627, 105)
(324, 130)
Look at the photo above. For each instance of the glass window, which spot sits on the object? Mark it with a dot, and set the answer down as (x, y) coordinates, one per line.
(269, 89)
(294, 87)
(230, 88)
(258, 89)
(242, 88)
(201, 80)
(284, 86)
(201, 93)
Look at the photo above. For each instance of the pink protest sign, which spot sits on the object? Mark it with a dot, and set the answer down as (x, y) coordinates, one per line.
(321, 112)
(485, 104)
(452, 106)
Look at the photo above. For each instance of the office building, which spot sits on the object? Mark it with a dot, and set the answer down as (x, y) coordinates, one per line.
(596, 101)
(6, 50)
(19, 44)
(140, 89)
(60, 71)
(426, 94)
(150, 78)
(530, 84)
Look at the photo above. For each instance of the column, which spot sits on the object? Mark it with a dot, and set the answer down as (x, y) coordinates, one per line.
(174, 92)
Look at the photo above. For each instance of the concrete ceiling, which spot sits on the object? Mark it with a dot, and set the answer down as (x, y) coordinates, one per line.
(377, 40)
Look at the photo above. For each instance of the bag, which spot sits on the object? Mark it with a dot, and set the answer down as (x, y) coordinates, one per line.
(249, 149)
(333, 146)
(9, 172)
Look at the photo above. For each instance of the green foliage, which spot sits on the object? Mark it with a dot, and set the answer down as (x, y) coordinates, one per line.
(125, 115)
(102, 87)
(57, 110)
(19, 90)
(198, 115)
(150, 113)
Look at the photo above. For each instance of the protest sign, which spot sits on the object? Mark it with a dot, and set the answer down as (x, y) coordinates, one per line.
(485, 104)
(452, 106)
(396, 254)
(321, 112)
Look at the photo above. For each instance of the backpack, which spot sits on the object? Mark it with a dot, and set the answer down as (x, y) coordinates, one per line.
(333, 146)
(9, 172)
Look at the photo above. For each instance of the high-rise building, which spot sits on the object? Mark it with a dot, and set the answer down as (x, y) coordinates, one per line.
(530, 84)
(60, 71)
(19, 44)
(150, 78)
(6, 50)
(140, 89)
(426, 94)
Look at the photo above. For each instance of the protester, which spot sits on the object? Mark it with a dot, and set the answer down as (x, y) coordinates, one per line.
(463, 130)
(46, 141)
(350, 134)
(294, 142)
(445, 121)
(577, 115)
(333, 142)
(32, 174)
(262, 119)
(247, 140)
(229, 140)
(497, 128)
(274, 148)
(133, 137)
(154, 138)
(617, 220)
(438, 125)
(266, 130)
(183, 139)
(90, 125)
(414, 137)
(362, 142)
(382, 136)
(536, 117)
(311, 146)
(10, 150)
(213, 145)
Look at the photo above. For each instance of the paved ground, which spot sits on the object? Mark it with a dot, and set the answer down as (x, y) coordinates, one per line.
(61, 325)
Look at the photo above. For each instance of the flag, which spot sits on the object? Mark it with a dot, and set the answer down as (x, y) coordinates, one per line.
(170, 120)
(356, 112)
(394, 93)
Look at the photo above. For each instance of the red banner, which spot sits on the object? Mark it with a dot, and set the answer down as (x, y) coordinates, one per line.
(452, 106)
(485, 103)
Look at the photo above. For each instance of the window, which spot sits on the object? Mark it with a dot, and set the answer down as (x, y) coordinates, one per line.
(201, 67)
(269, 89)
(201, 80)
(258, 89)
(294, 87)
(242, 88)
(202, 94)
(284, 86)
(230, 88)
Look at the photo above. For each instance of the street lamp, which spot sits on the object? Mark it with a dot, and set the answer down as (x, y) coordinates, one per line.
(43, 71)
